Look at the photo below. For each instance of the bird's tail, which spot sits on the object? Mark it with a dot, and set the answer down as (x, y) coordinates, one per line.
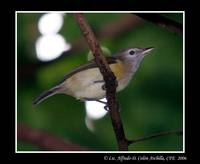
(46, 94)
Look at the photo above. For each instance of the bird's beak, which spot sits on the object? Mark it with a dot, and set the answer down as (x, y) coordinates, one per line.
(147, 50)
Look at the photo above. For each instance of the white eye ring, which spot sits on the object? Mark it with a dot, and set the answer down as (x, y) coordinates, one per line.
(132, 52)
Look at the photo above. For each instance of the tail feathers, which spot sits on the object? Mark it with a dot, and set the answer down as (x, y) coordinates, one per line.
(45, 95)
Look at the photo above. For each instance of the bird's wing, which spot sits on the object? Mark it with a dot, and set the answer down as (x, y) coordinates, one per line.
(88, 65)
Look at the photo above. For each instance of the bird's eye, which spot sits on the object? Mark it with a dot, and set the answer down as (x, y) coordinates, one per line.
(132, 52)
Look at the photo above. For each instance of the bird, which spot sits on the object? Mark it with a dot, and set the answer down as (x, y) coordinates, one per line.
(86, 83)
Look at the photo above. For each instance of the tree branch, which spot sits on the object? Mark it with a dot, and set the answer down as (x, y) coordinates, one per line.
(109, 78)
(178, 132)
(163, 22)
(44, 140)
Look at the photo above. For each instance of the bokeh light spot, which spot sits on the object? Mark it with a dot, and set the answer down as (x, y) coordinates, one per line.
(95, 110)
(50, 23)
(49, 47)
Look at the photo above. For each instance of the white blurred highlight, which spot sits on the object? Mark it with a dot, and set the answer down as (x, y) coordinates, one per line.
(49, 47)
(50, 23)
(95, 110)
(89, 123)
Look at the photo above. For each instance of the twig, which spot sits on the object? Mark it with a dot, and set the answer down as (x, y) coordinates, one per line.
(163, 22)
(44, 140)
(178, 132)
(109, 78)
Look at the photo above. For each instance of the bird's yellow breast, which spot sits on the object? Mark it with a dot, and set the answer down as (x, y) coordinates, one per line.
(118, 69)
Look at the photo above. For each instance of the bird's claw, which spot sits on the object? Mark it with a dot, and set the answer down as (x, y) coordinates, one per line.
(103, 87)
(106, 108)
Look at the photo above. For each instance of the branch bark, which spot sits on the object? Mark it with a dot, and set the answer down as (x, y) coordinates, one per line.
(109, 78)
(44, 140)
(165, 133)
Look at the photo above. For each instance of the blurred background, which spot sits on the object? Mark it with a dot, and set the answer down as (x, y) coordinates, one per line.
(49, 45)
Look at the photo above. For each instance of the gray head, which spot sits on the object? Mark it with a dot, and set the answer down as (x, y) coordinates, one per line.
(132, 57)
(133, 54)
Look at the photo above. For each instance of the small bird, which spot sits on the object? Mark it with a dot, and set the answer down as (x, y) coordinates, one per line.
(86, 82)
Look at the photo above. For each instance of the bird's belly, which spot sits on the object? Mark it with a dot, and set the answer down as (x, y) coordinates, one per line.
(88, 83)
(85, 84)
(94, 91)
